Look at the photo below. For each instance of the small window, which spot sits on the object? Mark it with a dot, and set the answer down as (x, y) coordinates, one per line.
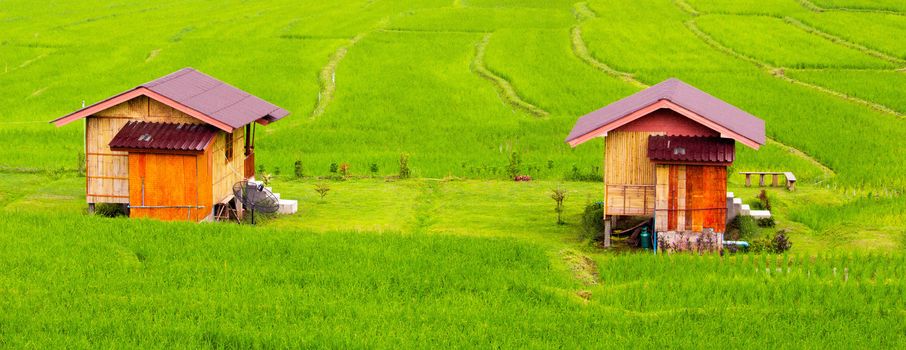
(679, 151)
(228, 146)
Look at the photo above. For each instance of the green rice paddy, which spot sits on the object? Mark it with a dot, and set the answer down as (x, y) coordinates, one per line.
(459, 256)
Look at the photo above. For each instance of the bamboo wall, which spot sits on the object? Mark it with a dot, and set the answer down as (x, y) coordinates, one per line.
(691, 198)
(226, 173)
(629, 176)
(107, 172)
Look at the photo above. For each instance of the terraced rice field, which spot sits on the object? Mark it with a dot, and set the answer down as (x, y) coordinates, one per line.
(458, 256)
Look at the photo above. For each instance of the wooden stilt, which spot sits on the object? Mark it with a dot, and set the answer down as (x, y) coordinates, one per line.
(90, 208)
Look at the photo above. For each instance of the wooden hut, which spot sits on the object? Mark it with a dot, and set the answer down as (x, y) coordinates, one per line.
(667, 149)
(171, 148)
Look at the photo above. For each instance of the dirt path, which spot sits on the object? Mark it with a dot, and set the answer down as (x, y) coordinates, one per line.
(815, 8)
(504, 88)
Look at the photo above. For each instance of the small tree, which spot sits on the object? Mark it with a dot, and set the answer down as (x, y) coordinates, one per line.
(559, 195)
(298, 171)
(344, 170)
(373, 168)
(404, 166)
(322, 189)
(513, 168)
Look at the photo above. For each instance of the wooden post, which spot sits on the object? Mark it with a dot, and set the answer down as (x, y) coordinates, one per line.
(606, 233)
(760, 180)
(774, 180)
(90, 208)
(748, 180)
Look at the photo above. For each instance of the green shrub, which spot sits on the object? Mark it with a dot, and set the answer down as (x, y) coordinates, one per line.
(334, 167)
(110, 210)
(767, 222)
(743, 227)
(593, 220)
(298, 170)
(404, 166)
(513, 168)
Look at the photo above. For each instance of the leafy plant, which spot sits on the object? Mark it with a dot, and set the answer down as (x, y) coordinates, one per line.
(514, 166)
(559, 195)
(764, 201)
(266, 178)
(276, 171)
(404, 166)
(344, 170)
(373, 168)
(298, 170)
(322, 189)
(334, 167)
(593, 220)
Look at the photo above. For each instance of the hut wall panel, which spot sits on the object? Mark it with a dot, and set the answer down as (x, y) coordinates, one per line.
(108, 170)
(690, 198)
(168, 180)
(668, 120)
(226, 173)
(629, 175)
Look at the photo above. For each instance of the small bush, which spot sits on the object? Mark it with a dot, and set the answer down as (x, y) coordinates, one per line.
(764, 201)
(334, 167)
(559, 195)
(514, 167)
(776, 243)
(322, 189)
(576, 174)
(742, 227)
(344, 170)
(276, 171)
(261, 168)
(404, 166)
(110, 210)
(373, 168)
(766, 222)
(298, 170)
(593, 220)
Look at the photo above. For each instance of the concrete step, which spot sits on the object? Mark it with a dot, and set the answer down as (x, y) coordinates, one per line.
(276, 194)
(760, 214)
(288, 206)
(730, 195)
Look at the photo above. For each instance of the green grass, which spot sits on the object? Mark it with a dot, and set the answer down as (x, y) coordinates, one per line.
(879, 31)
(781, 44)
(114, 282)
(884, 87)
(457, 257)
(882, 5)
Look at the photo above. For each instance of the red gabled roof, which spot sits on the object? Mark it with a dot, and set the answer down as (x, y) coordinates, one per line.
(691, 149)
(163, 136)
(198, 95)
(674, 94)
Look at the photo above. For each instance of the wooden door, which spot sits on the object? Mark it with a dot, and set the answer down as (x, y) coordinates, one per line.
(166, 186)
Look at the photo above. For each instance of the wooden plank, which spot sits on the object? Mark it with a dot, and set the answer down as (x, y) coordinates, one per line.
(672, 200)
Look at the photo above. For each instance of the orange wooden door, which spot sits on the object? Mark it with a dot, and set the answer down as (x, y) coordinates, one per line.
(165, 186)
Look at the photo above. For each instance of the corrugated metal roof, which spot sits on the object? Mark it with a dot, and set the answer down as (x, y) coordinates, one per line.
(682, 94)
(694, 149)
(214, 98)
(164, 136)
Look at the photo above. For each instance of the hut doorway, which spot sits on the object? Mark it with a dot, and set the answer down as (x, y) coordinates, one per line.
(169, 186)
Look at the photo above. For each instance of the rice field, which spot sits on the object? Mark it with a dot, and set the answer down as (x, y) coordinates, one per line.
(459, 256)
